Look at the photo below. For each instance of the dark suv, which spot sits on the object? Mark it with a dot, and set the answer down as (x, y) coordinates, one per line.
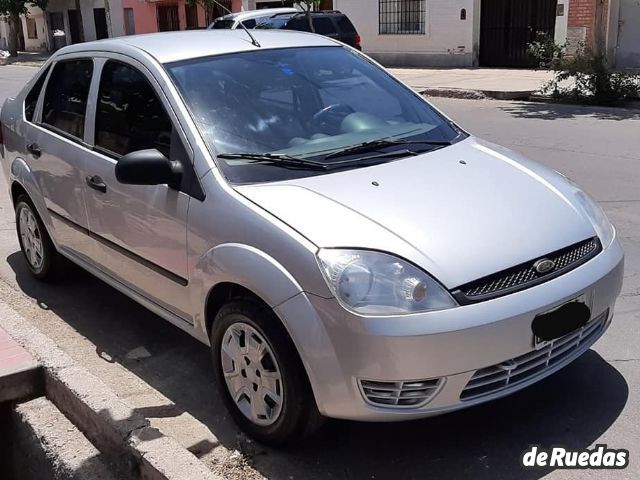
(333, 24)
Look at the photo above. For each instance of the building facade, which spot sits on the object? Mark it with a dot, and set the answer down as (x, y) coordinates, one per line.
(453, 33)
(66, 25)
(491, 33)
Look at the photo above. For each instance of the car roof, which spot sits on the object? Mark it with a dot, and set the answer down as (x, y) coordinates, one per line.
(264, 12)
(169, 47)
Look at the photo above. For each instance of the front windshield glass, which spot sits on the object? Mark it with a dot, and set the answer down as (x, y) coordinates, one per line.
(303, 103)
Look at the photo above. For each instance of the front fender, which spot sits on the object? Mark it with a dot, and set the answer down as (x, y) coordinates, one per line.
(243, 265)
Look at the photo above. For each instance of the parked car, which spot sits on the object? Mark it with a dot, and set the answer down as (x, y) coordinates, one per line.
(332, 24)
(248, 18)
(343, 257)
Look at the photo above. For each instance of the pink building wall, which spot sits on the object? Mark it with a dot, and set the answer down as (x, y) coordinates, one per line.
(146, 18)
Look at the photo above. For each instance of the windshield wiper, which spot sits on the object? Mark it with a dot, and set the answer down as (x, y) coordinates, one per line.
(372, 159)
(381, 143)
(285, 161)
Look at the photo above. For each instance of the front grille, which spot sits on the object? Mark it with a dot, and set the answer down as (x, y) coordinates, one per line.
(508, 375)
(410, 394)
(525, 275)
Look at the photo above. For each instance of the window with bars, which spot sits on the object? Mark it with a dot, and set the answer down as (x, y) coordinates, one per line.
(402, 17)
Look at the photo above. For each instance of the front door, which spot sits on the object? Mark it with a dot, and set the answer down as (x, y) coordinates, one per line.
(140, 231)
(57, 152)
(508, 26)
(627, 54)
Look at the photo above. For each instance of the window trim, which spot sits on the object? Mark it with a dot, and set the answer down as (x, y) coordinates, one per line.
(43, 74)
(39, 122)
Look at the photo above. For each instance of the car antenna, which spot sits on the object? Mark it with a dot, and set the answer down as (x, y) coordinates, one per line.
(246, 30)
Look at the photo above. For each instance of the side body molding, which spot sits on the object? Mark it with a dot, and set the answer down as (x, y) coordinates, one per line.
(243, 265)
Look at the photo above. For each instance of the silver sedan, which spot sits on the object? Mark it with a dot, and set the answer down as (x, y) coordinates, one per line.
(345, 249)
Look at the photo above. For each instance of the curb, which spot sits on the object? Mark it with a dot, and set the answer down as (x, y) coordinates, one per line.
(118, 431)
(471, 94)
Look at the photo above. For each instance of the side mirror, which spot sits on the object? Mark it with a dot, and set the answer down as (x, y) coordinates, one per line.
(148, 167)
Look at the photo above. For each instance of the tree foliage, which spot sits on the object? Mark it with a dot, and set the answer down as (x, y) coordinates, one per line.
(308, 5)
(13, 8)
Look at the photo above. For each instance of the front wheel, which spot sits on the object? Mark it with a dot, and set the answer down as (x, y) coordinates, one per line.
(260, 375)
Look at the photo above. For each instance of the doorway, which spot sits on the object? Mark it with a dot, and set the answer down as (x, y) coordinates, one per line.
(168, 18)
(74, 26)
(100, 20)
(508, 26)
(56, 20)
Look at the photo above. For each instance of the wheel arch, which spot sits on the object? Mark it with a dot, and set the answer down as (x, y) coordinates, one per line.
(234, 270)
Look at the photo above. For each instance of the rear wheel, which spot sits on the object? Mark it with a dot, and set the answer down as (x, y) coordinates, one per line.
(44, 262)
(260, 375)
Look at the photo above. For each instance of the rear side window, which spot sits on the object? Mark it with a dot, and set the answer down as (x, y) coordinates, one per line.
(324, 26)
(31, 99)
(222, 24)
(65, 100)
(130, 116)
(345, 25)
(251, 23)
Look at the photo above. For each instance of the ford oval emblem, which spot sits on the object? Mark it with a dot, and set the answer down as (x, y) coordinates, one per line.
(544, 266)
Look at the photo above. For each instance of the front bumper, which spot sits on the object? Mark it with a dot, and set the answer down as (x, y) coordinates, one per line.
(340, 349)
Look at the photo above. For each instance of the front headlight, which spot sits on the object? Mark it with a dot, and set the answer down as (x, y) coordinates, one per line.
(375, 283)
(599, 220)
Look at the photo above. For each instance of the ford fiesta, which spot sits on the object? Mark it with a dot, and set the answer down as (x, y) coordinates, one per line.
(345, 249)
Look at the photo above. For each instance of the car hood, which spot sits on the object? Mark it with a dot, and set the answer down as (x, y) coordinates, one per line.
(460, 213)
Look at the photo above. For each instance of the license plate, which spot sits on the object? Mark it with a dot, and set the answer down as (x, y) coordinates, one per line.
(560, 321)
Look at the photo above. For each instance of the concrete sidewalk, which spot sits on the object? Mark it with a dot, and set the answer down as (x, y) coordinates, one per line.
(18, 370)
(24, 59)
(505, 84)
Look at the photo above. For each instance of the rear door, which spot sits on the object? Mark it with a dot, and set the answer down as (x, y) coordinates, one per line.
(56, 151)
(140, 231)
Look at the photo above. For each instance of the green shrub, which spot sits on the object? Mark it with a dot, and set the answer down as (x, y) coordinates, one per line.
(584, 76)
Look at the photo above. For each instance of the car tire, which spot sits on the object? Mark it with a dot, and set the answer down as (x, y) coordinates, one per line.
(240, 324)
(43, 260)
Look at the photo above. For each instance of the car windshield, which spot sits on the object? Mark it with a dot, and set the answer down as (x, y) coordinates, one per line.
(321, 104)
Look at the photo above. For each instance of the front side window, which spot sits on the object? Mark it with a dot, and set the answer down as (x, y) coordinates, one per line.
(402, 17)
(130, 116)
(65, 100)
(308, 103)
(31, 99)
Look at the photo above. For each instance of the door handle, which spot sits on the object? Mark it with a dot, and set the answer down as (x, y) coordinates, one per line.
(34, 150)
(96, 183)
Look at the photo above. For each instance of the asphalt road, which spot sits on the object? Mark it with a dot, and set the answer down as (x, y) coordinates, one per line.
(165, 374)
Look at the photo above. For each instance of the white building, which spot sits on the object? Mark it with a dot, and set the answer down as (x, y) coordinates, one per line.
(450, 32)
(100, 19)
